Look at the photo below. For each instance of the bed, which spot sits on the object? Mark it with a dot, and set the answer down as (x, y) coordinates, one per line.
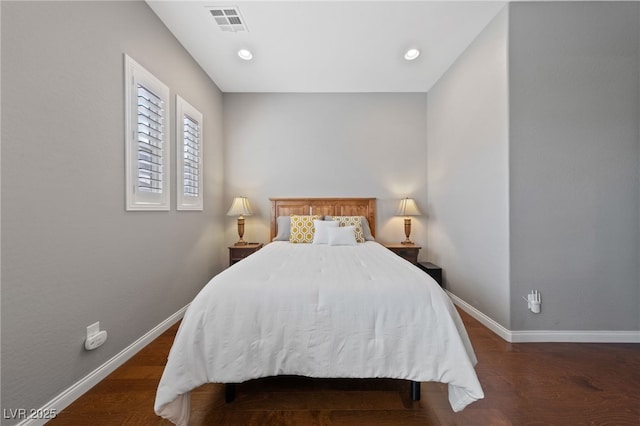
(319, 310)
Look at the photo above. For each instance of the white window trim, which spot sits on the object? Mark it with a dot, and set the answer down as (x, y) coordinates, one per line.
(185, 201)
(136, 199)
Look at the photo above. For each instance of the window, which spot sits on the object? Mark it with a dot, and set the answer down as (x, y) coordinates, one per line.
(189, 155)
(147, 142)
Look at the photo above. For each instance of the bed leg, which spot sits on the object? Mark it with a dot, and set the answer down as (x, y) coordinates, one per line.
(415, 391)
(229, 392)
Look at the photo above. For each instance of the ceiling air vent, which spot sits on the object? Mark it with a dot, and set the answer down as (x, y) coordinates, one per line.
(228, 18)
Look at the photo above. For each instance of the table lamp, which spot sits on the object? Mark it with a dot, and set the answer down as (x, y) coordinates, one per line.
(241, 208)
(407, 209)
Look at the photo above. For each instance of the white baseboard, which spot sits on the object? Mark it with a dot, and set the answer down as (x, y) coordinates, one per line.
(492, 325)
(63, 400)
(540, 336)
(576, 336)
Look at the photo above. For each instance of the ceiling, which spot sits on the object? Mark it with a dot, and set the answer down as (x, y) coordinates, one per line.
(327, 46)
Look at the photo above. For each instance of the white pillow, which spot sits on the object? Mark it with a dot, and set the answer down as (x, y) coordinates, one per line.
(321, 236)
(342, 236)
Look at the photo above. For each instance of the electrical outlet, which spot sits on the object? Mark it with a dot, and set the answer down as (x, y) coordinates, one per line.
(95, 341)
(95, 337)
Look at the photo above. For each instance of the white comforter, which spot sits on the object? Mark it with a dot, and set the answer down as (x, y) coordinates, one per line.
(319, 311)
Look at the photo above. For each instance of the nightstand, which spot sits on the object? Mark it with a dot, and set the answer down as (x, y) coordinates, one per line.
(408, 252)
(433, 270)
(237, 253)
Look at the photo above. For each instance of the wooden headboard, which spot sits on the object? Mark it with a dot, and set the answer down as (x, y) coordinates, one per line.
(325, 207)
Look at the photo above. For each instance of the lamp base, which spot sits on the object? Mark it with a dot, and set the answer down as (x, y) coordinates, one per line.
(407, 230)
(241, 242)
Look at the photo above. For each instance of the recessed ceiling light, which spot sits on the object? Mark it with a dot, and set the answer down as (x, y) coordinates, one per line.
(411, 54)
(245, 54)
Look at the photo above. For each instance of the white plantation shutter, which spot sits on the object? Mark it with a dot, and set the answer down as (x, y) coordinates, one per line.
(189, 156)
(150, 141)
(147, 141)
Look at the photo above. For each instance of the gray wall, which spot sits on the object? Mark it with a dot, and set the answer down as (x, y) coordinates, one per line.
(71, 255)
(295, 145)
(572, 175)
(467, 180)
(574, 164)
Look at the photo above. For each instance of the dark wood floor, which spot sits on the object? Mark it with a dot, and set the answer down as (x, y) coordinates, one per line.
(524, 384)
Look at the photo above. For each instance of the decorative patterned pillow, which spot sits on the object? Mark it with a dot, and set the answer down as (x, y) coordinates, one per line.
(302, 228)
(354, 221)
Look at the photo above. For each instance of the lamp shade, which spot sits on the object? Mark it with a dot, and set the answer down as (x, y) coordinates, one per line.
(240, 207)
(408, 207)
